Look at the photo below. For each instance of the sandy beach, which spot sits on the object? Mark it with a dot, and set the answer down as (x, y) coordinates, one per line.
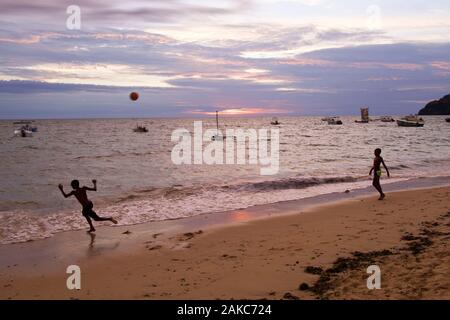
(407, 236)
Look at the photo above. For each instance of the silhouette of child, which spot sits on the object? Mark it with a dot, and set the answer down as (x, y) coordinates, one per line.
(81, 195)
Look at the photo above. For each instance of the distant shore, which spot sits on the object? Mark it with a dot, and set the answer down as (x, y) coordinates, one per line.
(406, 236)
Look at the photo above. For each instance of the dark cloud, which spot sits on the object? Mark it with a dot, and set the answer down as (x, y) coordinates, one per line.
(27, 87)
(394, 53)
(115, 12)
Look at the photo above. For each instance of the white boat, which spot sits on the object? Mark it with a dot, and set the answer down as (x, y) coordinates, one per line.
(411, 121)
(387, 119)
(334, 121)
(23, 133)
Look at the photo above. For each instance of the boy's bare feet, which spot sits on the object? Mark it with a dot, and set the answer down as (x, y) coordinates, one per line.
(382, 197)
(91, 230)
(113, 220)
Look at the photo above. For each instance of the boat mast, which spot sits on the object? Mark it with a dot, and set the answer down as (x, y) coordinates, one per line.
(217, 121)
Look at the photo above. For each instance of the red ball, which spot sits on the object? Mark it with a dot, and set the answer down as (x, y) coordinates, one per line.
(134, 96)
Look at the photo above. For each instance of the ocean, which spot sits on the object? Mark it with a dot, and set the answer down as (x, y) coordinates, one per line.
(138, 182)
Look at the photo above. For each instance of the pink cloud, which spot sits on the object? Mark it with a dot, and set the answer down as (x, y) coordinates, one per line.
(240, 111)
(307, 62)
(442, 65)
(443, 68)
(394, 66)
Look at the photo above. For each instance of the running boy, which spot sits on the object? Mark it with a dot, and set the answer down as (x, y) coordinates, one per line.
(81, 195)
(377, 172)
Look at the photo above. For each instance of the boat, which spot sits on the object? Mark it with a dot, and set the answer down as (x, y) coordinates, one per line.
(218, 136)
(448, 119)
(140, 129)
(23, 122)
(364, 116)
(275, 122)
(387, 119)
(334, 121)
(412, 117)
(411, 121)
(326, 119)
(23, 133)
(27, 127)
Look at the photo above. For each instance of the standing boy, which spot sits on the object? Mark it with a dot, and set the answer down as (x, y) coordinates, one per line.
(377, 172)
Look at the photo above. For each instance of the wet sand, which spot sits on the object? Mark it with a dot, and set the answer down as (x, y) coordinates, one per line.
(407, 236)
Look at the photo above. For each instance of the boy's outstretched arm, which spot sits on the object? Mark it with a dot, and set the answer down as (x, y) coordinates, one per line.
(66, 195)
(94, 188)
(385, 167)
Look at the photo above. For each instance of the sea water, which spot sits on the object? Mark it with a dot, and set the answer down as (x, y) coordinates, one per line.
(138, 182)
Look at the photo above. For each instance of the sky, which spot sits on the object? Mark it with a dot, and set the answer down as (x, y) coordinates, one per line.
(188, 58)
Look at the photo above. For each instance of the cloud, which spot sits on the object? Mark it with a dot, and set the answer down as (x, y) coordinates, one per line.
(26, 87)
(310, 3)
(115, 12)
(32, 87)
(442, 67)
(293, 41)
(241, 111)
(98, 74)
(306, 69)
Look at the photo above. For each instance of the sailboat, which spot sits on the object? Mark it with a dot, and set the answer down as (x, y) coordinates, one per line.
(218, 136)
(364, 116)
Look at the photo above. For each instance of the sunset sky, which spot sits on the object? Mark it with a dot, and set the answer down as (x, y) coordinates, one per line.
(244, 57)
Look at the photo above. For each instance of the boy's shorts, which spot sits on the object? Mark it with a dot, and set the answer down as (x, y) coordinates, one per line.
(87, 210)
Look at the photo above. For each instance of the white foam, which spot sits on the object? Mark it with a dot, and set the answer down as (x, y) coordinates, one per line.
(20, 226)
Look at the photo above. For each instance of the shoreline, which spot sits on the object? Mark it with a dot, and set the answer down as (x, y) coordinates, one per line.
(253, 212)
(252, 253)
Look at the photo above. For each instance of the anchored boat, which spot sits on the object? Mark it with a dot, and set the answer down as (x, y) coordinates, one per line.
(140, 129)
(218, 136)
(364, 116)
(275, 122)
(23, 133)
(411, 121)
(387, 119)
(334, 121)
